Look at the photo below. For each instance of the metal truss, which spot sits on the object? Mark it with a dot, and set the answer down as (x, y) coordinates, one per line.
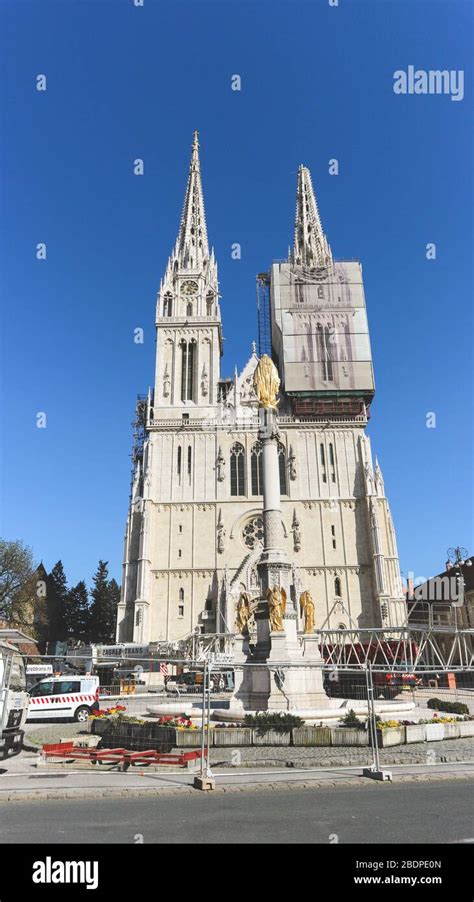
(405, 648)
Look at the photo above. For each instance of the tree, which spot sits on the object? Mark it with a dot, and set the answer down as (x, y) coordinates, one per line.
(77, 612)
(103, 610)
(16, 572)
(57, 592)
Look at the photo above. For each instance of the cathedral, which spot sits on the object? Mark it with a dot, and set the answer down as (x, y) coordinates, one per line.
(194, 530)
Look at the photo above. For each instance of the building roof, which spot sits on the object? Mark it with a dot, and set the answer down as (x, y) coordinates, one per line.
(25, 644)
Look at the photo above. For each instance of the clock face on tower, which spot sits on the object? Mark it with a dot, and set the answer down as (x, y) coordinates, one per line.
(189, 288)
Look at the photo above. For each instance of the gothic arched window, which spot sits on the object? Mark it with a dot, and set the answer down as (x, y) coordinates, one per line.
(329, 343)
(187, 371)
(256, 463)
(181, 603)
(209, 303)
(323, 461)
(331, 461)
(337, 587)
(168, 304)
(237, 469)
(325, 343)
(282, 468)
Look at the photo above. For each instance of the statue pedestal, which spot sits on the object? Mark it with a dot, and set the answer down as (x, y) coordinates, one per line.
(288, 677)
(311, 650)
(241, 649)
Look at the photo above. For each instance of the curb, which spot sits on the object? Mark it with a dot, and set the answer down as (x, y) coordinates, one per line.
(28, 795)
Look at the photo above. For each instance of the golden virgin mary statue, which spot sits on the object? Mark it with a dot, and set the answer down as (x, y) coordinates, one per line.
(266, 382)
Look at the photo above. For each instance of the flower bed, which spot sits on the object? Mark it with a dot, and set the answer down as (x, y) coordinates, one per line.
(136, 735)
(312, 736)
(466, 728)
(415, 732)
(231, 736)
(107, 712)
(434, 731)
(349, 736)
(390, 735)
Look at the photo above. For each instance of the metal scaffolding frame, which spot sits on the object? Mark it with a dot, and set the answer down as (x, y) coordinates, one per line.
(263, 313)
(406, 648)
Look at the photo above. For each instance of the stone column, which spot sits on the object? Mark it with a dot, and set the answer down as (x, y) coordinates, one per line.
(274, 568)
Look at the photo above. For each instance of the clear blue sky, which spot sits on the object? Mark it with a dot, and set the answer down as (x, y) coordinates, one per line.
(126, 82)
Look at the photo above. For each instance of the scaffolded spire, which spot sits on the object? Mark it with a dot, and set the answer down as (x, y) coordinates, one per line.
(192, 248)
(310, 246)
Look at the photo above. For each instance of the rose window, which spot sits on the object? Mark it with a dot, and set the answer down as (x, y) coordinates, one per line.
(252, 533)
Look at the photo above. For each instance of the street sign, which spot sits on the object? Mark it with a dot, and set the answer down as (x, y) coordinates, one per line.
(35, 669)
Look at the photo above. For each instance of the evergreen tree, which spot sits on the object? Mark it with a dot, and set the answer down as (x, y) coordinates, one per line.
(57, 592)
(78, 612)
(103, 610)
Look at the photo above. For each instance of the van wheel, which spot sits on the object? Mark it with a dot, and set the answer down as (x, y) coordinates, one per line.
(82, 714)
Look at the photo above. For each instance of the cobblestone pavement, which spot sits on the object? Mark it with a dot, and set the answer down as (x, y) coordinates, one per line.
(268, 756)
(38, 733)
(416, 753)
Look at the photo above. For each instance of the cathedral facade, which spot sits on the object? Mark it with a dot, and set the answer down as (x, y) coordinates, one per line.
(194, 531)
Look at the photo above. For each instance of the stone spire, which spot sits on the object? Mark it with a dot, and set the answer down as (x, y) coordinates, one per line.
(192, 248)
(310, 247)
(191, 255)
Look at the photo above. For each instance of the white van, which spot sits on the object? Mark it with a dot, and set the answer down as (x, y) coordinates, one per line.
(63, 698)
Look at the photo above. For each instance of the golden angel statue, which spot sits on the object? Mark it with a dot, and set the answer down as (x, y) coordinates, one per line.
(276, 598)
(307, 609)
(242, 614)
(266, 382)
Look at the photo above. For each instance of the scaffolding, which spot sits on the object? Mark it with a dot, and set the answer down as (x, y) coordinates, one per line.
(263, 313)
(139, 432)
(409, 648)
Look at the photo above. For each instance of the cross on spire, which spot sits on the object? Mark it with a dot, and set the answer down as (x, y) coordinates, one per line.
(192, 248)
(310, 246)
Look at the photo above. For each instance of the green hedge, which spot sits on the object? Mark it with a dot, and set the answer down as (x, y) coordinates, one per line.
(449, 707)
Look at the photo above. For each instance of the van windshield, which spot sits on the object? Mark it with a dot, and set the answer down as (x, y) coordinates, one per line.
(17, 675)
(45, 688)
